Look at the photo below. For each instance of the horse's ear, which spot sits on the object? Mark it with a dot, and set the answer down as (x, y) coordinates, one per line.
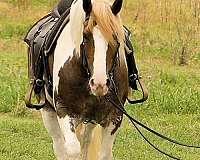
(87, 6)
(116, 7)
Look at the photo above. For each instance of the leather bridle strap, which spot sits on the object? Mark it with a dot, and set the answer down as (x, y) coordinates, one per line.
(137, 78)
(83, 58)
(133, 121)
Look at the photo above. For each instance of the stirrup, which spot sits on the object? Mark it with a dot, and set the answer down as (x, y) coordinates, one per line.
(28, 98)
(144, 92)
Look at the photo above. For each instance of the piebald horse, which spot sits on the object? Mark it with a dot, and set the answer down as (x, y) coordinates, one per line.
(87, 64)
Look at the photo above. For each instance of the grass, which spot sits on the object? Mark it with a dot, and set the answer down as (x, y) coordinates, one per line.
(23, 139)
(130, 145)
(173, 105)
(26, 138)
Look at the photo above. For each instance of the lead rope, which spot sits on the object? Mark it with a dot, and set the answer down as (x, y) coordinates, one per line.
(133, 121)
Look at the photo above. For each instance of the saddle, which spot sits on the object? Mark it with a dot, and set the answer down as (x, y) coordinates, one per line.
(41, 40)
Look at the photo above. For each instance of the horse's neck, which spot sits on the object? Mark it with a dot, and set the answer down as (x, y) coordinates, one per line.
(77, 18)
(64, 51)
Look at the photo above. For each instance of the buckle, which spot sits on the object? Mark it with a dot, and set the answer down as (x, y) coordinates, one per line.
(39, 83)
(133, 77)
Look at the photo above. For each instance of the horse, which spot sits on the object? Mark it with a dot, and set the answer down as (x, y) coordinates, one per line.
(87, 64)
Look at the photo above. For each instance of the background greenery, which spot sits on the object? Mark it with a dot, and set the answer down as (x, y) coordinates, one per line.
(166, 37)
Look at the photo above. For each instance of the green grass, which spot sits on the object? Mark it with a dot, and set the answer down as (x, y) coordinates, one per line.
(26, 138)
(23, 139)
(13, 76)
(185, 128)
(174, 91)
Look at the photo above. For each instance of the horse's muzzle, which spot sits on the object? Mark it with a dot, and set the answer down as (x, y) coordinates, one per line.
(99, 89)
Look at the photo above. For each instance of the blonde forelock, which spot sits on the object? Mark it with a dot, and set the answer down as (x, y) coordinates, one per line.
(109, 24)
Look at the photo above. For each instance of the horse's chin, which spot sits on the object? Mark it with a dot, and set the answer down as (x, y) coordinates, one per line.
(99, 92)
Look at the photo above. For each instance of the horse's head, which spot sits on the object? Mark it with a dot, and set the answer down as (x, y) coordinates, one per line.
(103, 40)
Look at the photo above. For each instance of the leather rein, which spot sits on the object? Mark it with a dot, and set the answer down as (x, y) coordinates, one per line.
(119, 105)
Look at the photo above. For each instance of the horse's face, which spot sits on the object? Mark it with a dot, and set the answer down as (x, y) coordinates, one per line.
(100, 59)
(100, 49)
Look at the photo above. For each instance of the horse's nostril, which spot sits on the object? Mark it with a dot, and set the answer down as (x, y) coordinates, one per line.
(108, 82)
(92, 82)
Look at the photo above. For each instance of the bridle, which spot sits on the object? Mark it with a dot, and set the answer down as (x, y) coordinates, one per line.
(116, 61)
(84, 60)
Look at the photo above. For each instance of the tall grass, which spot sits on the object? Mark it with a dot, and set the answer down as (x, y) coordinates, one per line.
(166, 28)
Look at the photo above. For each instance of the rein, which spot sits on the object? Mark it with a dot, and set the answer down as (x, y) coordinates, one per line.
(83, 58)
(135, 122)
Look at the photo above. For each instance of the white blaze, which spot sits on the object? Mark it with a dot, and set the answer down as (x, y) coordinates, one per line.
(101, 47)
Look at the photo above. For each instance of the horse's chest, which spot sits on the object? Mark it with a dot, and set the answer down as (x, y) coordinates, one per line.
(73, 97)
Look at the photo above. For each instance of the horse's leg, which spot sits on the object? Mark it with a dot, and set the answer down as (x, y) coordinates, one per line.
(84, 133)
(51, 124)
(72, 144)
(107, 142)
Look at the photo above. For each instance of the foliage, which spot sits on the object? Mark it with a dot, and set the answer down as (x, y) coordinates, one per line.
(166, 28)
(23, 139)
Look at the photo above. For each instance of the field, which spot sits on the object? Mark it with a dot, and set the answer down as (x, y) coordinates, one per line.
(166, 37)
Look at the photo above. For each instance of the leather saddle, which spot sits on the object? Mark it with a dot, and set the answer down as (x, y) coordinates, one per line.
(41, 40)
(44, 33)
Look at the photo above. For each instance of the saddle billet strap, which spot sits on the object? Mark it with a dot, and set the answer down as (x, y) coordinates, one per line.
(28, 98)
(144, 92)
